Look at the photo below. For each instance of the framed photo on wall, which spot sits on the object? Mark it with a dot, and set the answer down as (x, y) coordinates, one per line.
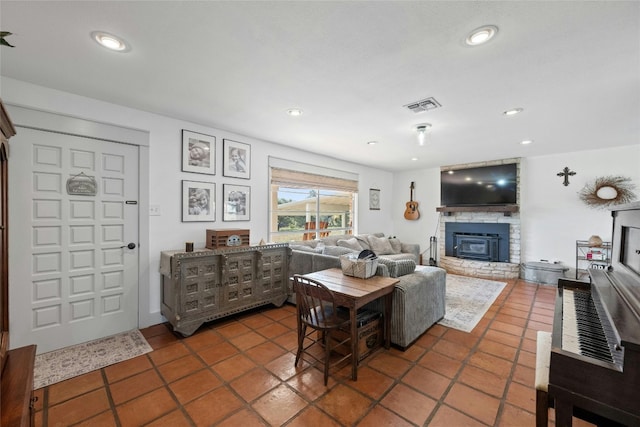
(237, 202)
(198, 153)
(198, 201)
(374, 199)
(237, 159)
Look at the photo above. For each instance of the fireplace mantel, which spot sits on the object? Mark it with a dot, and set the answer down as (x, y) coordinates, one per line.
(507, 209)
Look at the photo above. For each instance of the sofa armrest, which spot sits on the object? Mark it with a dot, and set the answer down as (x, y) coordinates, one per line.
(412, 248)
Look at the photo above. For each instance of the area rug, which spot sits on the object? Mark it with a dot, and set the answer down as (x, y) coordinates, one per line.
(69, 362)
(467, 300)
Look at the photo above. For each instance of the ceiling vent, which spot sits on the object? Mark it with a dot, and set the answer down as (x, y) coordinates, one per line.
(423, 105)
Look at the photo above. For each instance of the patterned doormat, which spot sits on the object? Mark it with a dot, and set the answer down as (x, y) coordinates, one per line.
(467, 300)
(69, 362)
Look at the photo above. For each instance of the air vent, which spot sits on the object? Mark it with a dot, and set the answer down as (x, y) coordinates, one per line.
(423, 105)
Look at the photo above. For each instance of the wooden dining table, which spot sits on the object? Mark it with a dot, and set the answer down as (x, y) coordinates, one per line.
(353, 293)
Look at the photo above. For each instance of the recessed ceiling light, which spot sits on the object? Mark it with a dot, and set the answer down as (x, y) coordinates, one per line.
(294, 112)
(413, 159)
(481, 35)
(372, 142)
(526, 141)
(110, 41)
(513, 112)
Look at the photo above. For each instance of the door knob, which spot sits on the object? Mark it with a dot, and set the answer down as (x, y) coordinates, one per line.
(129, 246)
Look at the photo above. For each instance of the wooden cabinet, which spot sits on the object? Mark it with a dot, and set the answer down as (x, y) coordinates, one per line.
(209, 284)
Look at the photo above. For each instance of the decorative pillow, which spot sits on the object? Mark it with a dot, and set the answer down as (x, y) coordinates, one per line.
(303, 248)
(363, 241)
(351, 243)
(396, 244)
(337, 250)
(380, 245)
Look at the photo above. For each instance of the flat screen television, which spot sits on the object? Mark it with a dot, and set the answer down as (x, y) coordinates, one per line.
(495, 185)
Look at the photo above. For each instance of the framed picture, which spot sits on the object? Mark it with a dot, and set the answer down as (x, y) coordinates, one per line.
(198, 201)
(237, 202)
(237, 159)
(198, 153)
(374, 199)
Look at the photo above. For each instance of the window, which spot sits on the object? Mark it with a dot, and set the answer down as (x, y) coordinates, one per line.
(308, 206)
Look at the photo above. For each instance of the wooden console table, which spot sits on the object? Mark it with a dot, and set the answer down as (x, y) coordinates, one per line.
(353, 293)
(208, 284)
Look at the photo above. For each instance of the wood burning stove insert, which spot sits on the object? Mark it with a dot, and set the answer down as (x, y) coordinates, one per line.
(477, 241)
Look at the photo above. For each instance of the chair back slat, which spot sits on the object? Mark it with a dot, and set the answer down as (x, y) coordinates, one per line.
(315, 302)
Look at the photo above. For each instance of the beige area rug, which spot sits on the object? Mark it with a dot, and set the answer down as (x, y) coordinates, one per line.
(69, 362)
(467, 300)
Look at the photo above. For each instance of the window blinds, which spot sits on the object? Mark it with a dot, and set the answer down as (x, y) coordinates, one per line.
(286, 173)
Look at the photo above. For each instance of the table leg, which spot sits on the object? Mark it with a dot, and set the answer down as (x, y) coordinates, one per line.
(354, 343)
(388, 305)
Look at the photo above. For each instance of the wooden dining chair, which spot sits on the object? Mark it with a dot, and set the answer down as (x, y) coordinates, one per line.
(318, 316)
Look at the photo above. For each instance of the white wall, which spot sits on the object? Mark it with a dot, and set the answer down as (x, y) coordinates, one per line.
(167, 231)
(552, 215)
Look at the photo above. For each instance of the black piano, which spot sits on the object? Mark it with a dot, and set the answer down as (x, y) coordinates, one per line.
(594, 370)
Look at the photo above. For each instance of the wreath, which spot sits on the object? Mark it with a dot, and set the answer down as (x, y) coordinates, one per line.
(608, 191)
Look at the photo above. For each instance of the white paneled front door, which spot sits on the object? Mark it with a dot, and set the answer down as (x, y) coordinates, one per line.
(73, 258)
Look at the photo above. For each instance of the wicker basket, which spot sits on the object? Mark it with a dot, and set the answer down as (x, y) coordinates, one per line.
(362, 268)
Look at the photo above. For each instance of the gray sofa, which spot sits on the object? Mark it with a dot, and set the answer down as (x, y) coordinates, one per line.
(419, 297)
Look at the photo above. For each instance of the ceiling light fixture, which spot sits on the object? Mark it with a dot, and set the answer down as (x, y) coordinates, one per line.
(422, 130)
(372, 142)
(295, 112)
(513, 112)
(413, 159)
(110, 41)
(481, 35)
(526, 141)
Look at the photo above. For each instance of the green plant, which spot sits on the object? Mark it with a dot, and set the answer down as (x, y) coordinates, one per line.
(3, 42)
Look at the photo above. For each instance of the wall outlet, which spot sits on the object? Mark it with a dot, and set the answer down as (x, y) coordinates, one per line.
(154, 210)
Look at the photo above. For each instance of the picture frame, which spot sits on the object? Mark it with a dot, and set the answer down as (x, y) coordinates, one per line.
(237, 159)
(237, 202)
(198, 153)
(198, 201)
(374, 199)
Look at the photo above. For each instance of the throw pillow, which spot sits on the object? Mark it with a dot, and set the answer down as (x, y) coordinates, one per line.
(337, 250)
(396, 244)
(380, 245)
(303, 248)
(351, 243)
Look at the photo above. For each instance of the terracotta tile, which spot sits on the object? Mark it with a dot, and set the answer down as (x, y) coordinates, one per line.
(194, 385)
(313, 417)
(513, 416)
(522, 314)
(539, 326)
(232, 329)
(437, 330)
(265, 352)
(542, 318)
(272, 330)
(459, 337)
(79, 408)
(388, 364)
(517, 306)
(73, 387)
(451, 349)
(213, 406)
(168, 353)
(498, 349)
(507, 328)
(217, 353)
(283, 366)
(127, 368)
(412, 405)
(529, 345)
(158, 341)
(482, 380)
(255, 320)
(248, 340)
(244, 418)
(180, 368)
(473, 403)
(511, 320)
(524, 375)
(371, 382)
(279, 405)
(522, 396)
(146, 408)
(488, 362)
(135, 386)
(446, 416)
(440, 364)
(290, 322)
(527, 359)
(278, 313)
(481, 327)
(380, 416)
(333, 403)
(413, 353)
(503, 338)
(233, 367)
(288, 340)
(104, 419)
(202, 339)
(154, 330)
(310, 383)
(174, 419)
(426, 340)
(254, 383)
(426, 381)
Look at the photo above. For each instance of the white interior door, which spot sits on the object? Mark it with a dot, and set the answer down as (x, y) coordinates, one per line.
(73, 277)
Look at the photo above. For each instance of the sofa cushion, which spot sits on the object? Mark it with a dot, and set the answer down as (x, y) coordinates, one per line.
(398, 267)
(306, 248)
(396, 244)
(380, 245)
(337, 250)
(351, 243)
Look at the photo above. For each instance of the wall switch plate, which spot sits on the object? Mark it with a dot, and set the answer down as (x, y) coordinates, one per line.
(154, 210)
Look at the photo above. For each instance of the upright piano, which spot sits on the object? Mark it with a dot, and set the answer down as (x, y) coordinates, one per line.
(595, 351)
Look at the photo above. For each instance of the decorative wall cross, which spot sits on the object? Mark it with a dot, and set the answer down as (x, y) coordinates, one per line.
(566, 173)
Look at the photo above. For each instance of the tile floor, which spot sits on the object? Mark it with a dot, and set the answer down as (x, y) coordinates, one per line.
(239, 372)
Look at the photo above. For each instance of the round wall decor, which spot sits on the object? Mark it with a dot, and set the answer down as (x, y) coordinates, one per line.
(608, 191)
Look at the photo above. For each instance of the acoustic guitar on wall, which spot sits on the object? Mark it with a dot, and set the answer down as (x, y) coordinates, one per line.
(411, 212)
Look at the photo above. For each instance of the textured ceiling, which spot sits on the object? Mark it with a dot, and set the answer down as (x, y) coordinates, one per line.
(351, 66)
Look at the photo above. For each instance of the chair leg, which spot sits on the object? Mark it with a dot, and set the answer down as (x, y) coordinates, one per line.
(327, 355)
(302, 331)
(542, 408)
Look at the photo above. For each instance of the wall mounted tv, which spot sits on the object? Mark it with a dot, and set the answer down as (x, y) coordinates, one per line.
(495, 185)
